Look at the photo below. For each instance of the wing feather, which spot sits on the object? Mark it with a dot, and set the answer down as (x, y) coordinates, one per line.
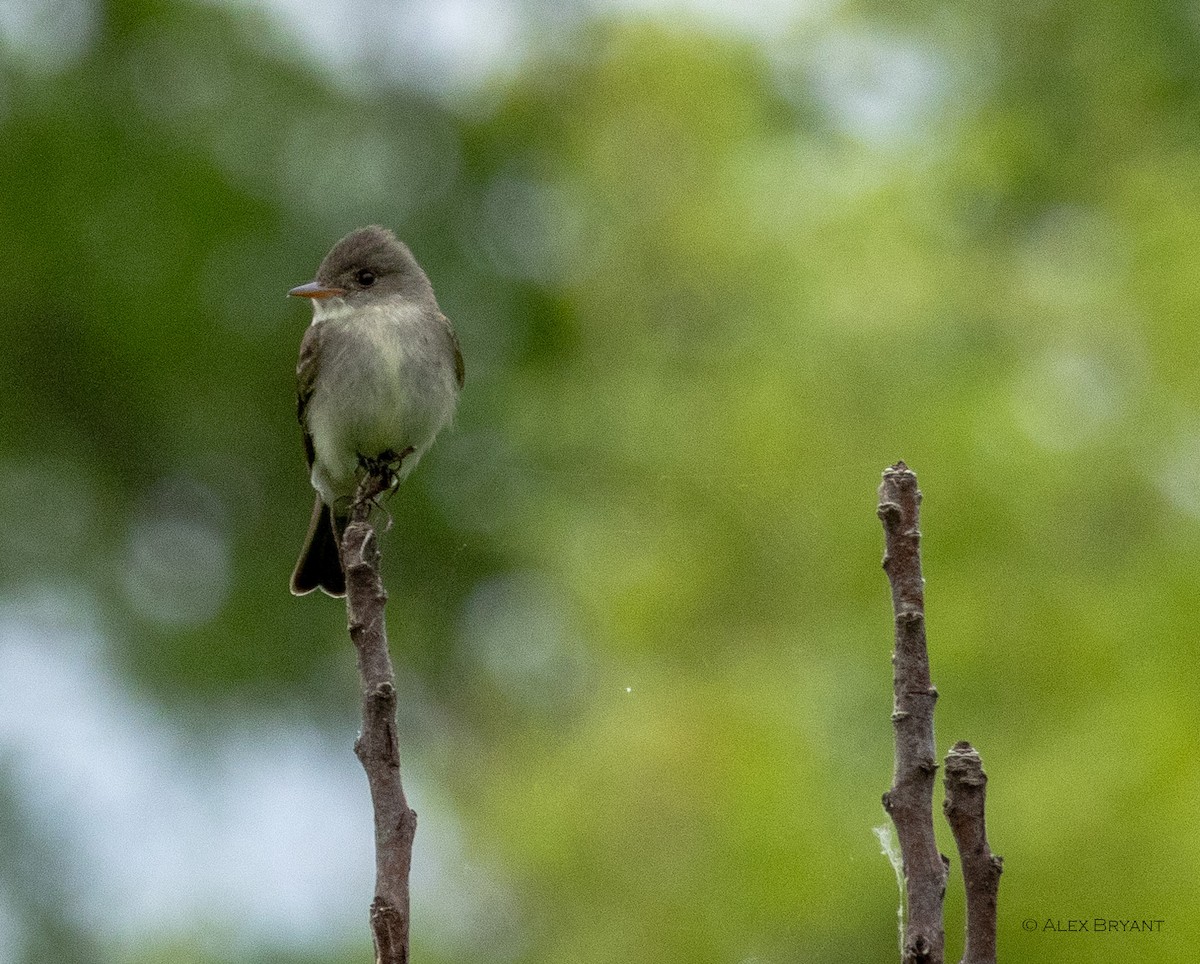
(306, 380)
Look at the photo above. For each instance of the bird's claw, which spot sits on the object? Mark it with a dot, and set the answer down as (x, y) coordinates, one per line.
(386, 468)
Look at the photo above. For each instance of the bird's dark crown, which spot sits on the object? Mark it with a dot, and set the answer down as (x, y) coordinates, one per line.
(377, 250)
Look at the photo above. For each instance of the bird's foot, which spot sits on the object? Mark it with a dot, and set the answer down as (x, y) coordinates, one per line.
(382, 477)
(394, 463)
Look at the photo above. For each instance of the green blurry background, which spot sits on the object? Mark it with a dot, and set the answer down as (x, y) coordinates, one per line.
(714, 267)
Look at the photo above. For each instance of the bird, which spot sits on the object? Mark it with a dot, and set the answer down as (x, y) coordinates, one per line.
(379, 376)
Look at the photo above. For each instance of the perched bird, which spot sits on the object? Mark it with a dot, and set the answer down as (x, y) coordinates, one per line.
(379, 375)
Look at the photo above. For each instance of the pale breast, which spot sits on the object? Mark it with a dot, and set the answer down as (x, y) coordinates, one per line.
(385, 382)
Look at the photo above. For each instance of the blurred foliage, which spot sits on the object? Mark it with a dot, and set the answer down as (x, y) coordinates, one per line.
(708, 287)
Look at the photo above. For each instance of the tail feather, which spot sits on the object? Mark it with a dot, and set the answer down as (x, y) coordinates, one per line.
(320, 562)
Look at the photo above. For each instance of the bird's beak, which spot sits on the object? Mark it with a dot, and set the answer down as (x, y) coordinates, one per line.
(314, 289)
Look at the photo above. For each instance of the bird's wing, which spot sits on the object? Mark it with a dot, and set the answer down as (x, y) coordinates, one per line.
(306, 379)
(460, 370)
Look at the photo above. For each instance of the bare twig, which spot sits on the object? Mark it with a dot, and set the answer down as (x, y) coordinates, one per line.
(909, 802)
(966, 793)
(377, 747)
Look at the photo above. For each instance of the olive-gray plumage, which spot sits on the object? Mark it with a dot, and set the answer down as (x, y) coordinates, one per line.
(379, 375)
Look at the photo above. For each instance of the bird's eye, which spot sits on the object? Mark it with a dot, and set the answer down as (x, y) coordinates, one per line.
(366, 277)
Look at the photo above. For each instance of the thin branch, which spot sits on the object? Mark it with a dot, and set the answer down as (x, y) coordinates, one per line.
(377, 747)
(966, 795)
(909, 802)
